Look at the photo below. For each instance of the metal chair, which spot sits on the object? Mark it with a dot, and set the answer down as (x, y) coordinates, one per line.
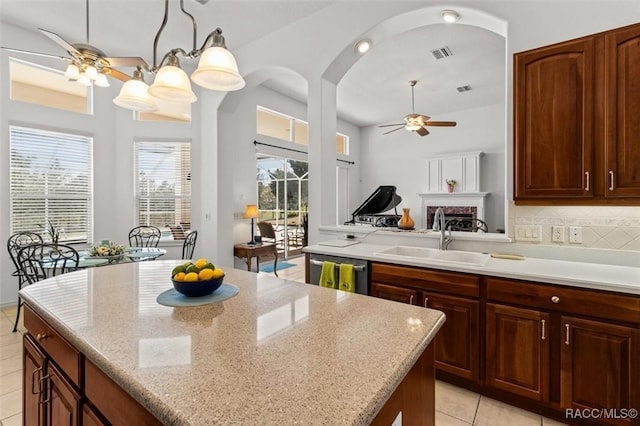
(189, 245)
(41, 261)
(144, 236)
(466, 224)
(14, 244)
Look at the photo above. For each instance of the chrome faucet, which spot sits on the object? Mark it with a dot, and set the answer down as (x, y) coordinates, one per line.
(440, 224)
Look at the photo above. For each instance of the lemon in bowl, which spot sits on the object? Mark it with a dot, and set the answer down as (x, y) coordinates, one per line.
(194, 281)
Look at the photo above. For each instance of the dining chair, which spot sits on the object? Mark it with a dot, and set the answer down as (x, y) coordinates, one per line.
(467, 224)
(14, 244)
(41, 261)
(144, 236)
(189, 245)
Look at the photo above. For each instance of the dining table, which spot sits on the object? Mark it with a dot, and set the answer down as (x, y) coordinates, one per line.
(130, 254)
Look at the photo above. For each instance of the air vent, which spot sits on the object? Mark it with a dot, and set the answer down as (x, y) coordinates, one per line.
(463, 88)
(443, 52)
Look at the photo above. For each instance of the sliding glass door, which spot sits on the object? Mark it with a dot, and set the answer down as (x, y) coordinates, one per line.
(283, 197)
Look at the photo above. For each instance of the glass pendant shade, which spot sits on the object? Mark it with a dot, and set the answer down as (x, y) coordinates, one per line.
(91, 72)
(84, 80)
(101, 80)
(218, 70)
(72, 72)
(134, 95)
(172, 84)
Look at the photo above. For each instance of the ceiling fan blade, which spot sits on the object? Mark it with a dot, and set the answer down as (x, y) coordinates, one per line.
(132, 61)
(60, 41)
(441, 123)
(117, 74)
(390, 125)
(28, 52)
(422, 131)
(394, 130)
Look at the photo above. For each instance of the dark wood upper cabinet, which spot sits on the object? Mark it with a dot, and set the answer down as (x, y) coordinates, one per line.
(622, 54)
(576, 105)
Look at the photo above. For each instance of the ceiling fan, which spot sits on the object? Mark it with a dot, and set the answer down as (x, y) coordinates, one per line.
(417, 122)
(88, 64)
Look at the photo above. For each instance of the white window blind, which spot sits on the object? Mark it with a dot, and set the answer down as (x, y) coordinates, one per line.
(163, 189)
(51, 183)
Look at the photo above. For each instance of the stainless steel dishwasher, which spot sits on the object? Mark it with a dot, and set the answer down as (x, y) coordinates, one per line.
(361, 270)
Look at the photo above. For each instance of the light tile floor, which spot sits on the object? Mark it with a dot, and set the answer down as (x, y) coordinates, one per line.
(454, 406)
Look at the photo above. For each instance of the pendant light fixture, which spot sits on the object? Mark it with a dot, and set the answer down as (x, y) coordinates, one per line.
(134, 95)
(217, 70)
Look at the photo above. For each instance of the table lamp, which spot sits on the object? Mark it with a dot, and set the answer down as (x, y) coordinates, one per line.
(251, 212)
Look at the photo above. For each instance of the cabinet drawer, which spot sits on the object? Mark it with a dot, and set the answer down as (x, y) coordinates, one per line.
(592, 303)
(426, 279)
(58, 349)
(117, 406)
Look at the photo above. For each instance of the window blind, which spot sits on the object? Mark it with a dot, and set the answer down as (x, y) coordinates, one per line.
(51, 183)
(163, 189)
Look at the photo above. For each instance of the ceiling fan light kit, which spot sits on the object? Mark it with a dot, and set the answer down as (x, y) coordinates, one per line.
(417, 122)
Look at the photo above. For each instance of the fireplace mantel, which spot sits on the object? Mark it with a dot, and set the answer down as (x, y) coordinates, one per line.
(440, 195)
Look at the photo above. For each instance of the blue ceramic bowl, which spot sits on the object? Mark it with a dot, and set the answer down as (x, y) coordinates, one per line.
(198, 288)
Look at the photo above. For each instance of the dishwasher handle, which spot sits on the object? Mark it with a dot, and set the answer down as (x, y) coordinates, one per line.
(357, 268)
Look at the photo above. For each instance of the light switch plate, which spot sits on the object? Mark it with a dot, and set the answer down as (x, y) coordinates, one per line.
(528, 233)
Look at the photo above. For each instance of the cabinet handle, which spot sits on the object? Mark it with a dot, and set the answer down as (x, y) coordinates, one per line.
(33, 379)
(426, 299)
(411, 300)
(566, 339)
(611, 182)
(588, 181)
(44, 393)
(555, 299)
(43, 336)
(544, 337)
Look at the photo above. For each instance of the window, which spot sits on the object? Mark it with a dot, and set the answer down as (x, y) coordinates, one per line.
(48, 87)
(277, 125)
(51, 183)
(163, 188)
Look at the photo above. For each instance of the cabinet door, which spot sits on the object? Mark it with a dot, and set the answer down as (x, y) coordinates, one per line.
(63, 402)
(392, 292)
(34, 364)
(456, 344)
(518, 351)
(622, 56)
(554, 121)
(91, 416)
(598, 365)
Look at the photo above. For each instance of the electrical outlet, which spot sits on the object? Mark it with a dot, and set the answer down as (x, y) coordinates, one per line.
(557, 234)
(575, 234)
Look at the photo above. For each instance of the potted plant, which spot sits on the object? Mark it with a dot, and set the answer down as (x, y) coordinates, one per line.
(451, 184)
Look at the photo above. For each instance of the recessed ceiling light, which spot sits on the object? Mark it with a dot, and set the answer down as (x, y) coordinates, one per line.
(363, 46)
(450, 15)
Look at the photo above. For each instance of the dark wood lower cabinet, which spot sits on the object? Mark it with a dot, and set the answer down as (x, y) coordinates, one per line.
(395, 293)
(63, 401)
(518, 350)
(33, 362)
(91, 417)
(599, 366)
(456, 344)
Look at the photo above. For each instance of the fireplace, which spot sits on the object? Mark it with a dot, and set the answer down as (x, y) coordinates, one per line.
(457, 204)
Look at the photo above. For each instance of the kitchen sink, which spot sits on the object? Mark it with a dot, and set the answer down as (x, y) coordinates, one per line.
(430, 255)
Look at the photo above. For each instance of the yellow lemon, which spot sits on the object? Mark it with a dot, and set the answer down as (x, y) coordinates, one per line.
(217, 273)
(191, 277)
(205, 274)
(200, 263)
(179, 276)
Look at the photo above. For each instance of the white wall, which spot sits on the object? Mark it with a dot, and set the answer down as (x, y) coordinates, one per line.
(400, 158)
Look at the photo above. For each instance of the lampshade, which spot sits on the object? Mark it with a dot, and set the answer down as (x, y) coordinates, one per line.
(91, 72)
(134, 95)
(251, 212)
(218, 70)
(84, 79)
(72, 72)
(101, 80)
(172, 84)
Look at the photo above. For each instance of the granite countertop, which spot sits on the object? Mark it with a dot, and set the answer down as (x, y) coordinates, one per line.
(278, 352)
(624, 279)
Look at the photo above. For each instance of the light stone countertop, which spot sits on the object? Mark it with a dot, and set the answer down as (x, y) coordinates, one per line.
(280, 352)
(624, 279)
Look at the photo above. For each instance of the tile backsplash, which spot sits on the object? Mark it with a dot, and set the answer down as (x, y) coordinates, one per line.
(603, 227)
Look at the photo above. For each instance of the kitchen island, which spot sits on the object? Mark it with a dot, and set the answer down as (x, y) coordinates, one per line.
(277, 352)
